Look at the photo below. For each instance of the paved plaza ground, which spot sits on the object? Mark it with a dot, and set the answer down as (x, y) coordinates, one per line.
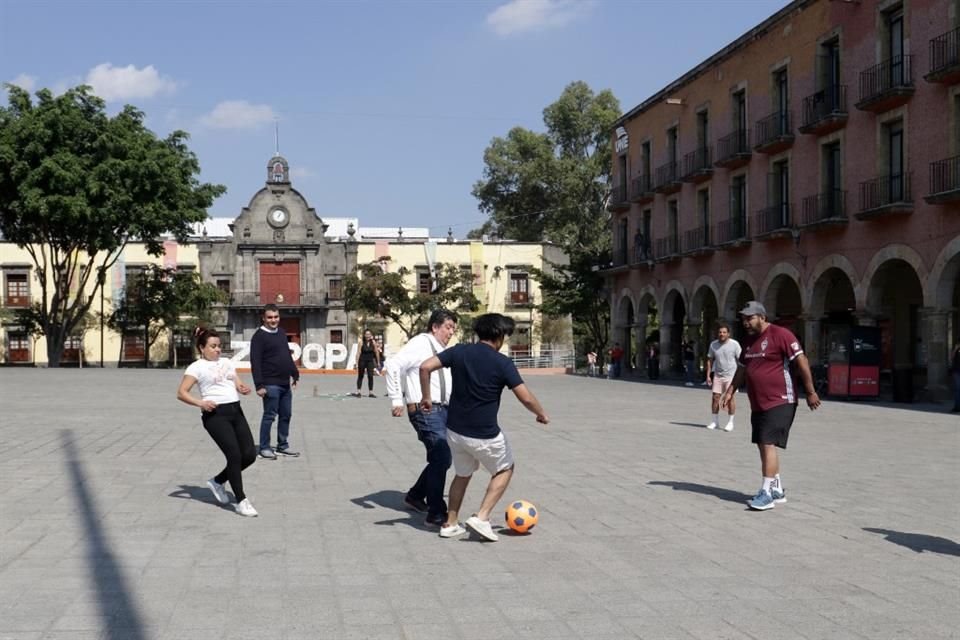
(107, 530)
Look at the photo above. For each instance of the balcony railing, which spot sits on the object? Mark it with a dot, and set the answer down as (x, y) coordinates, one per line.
(773, 219)
(698, 165)
(774, 132)
(619, 256)
(518, 299)
(17, 301)
(666, 248)
(618, 197)
(945, 57)
(886, 194)
(733, 149)
(944, 181)
(668, 177)
(732, 230)
(697, 240)
(826, 110)
(303, 299)
(886, 85)
(641, 188)
(641, 253)
(829, 206)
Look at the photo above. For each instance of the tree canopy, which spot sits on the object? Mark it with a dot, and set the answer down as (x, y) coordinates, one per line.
(76, 185)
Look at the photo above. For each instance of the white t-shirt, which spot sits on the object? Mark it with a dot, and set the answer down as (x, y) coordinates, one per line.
(725, 356)
(217, 380)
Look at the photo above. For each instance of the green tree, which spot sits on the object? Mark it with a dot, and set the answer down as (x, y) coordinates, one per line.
(193, 302)
(376, 292)
(555, 186)
(77, 185)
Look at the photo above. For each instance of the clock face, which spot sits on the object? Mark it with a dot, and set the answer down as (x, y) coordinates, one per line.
(278, 217)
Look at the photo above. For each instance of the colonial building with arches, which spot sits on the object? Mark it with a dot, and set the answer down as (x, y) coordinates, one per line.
(813, 164)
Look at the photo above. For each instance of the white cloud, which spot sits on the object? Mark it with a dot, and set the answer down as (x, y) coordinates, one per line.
(300, 172)
(25, 82)
(124, 83)
(518, 16)
(238, 114)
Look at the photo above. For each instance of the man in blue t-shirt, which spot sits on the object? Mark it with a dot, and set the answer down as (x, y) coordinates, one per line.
(480, 372)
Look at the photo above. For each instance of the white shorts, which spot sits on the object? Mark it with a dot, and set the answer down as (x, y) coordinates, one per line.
(494, 454)
(721, 384)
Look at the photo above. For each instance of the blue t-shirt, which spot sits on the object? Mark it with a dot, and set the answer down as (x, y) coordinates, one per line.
(479, 376)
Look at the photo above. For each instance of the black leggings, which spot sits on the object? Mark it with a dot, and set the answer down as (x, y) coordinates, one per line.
(229, 429)
(365, 365)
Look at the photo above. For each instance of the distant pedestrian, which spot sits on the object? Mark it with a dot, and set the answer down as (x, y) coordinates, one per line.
(689, 362)
(368, 361)
(592, 364)
(722, 358)
(653, 361)
(616, 358)
(275, 376)
(955, 370)
(765, 361)
(222, 416)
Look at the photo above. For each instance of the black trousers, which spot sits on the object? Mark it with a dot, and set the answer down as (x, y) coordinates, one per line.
(365, 365)
(229, 429)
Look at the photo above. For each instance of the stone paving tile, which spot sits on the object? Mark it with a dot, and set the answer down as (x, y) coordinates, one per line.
(644, 531)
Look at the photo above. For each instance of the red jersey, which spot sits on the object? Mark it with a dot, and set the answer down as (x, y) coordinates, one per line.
(767, 357)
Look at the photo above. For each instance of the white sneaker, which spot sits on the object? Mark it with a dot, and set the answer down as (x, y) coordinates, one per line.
(452, 531)
(688, 384)
(712, 425)
(482, 528)
(218, 491)
(728, 427)
(244, 508)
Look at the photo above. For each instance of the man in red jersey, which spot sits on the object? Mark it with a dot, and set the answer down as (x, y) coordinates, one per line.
(765, 361)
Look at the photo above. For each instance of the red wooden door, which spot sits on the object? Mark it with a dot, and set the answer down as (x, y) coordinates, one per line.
(280, 283)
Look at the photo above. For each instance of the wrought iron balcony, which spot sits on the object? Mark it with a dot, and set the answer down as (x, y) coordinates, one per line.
(698, 165)
(732, 232)
(256, 299)
(698, 241)
(772, 222)
(618, 198)
(667, 248)
(641, 189)
(774, 133)
(825, 209)
(668, 178)
(886, 195)
(945, 58)
(620, 255)
(16, 301)
(733, 150)
(944, 181)
(886, 85)
(518, 299)
(825, 111)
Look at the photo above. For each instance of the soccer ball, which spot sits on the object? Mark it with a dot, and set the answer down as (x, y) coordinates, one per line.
(521, 516)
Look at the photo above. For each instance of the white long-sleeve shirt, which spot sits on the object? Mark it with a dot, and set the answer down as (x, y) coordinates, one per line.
(403, 372)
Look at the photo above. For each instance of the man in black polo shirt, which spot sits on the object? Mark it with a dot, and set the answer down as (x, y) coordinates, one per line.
(480, 372)
(273, 369)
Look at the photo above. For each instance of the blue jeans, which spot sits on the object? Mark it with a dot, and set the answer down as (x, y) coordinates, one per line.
(277, 401)
(431, 430)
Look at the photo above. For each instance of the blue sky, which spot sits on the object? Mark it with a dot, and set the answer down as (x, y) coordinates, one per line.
(384, 108)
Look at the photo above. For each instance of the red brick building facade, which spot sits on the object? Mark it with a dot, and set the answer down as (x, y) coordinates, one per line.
(812, 164)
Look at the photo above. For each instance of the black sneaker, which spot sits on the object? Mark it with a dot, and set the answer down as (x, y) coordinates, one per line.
(288, 453)
(435, 520)
(371, 395)
(418, 504)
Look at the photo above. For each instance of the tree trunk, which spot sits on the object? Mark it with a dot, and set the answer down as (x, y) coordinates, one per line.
(55, 339)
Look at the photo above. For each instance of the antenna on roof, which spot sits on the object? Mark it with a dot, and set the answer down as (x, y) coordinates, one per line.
(276, 135)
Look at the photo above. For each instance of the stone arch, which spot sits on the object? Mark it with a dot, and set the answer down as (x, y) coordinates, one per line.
(868, 293)
(701, 286)
(817, 288)
(625, 301)
(773, 282)
(644, 297)
(941, 284)
(673, 326)
(728, 303)
(673, 288)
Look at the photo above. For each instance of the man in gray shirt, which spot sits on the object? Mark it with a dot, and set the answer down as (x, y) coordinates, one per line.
(722, 359)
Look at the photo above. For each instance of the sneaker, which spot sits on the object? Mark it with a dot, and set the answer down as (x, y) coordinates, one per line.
(728, 427)
(778, 495)
(452, 531)
(371, 395)
(688, 384)
(712, 425)
(482, 528)
(356, 394)
(289, 453)
(268, 454)
(244, 508)
(417, 504)
(219, 493)
(762, 501)
(435, 520)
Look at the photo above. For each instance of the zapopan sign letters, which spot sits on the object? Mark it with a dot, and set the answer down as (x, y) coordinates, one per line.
(312, 356)
(623, 141)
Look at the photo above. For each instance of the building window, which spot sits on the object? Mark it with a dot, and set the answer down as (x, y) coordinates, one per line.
(832, 176)
(778, 194)
(467, 278)
(672, 141)
(223, 285)
(893, 43)
(423, 282)
(895, 159)
(18, 290)
(645, 159)
(519, 288)
(781, 100)
(335, 287)
(703, 215)
(830, 64)
(740, 118)
(738, 208)
(133, 346)
(703, 129)
(520, 342)
(336, 336)
(673, 223)
(18, 347)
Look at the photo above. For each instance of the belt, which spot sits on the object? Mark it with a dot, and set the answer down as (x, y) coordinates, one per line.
(413, 406)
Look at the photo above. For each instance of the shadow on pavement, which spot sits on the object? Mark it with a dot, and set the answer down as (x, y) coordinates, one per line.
(200, 494)
(698, 425)
(716, 492)
(118, 612)
(388, 499)
(919, 542)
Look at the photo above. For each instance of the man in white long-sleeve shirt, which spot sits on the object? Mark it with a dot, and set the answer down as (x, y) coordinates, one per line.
(403, 388)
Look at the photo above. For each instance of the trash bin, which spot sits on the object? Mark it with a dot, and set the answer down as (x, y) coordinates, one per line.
(903, 384)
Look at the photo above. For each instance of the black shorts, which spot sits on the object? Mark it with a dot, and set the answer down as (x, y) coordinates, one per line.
(773, 425)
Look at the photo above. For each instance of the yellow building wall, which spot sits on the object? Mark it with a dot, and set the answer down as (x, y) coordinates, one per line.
(183, 255)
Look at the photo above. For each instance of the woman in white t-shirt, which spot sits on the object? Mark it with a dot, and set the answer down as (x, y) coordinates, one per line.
(222, 416)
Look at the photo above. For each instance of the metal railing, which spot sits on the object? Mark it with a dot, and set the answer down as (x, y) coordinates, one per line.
(542, 359)
(945, 51)
(827, 103)
(829, 205)
(16, 302)
(945, 175)
(772, 128)
(732, 229)
(618, 195)
(518, 299)
(697, 238)
(619, 256)
(304, 299)
(666, 174)
(772, 218)
(640, 186)
(667, 247)
(733, 144)
(641, 253)
(698, 160)
(884, 191)
(889, 75)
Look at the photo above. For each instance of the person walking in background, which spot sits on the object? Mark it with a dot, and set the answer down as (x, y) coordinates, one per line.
(955, 370)
(592, 363)
(402, 373)
(765, 361)
(275, 376)
(722, 358)
(222, 416)
(368, 361)
(689, 362)
(653, 361)
(616, 358)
